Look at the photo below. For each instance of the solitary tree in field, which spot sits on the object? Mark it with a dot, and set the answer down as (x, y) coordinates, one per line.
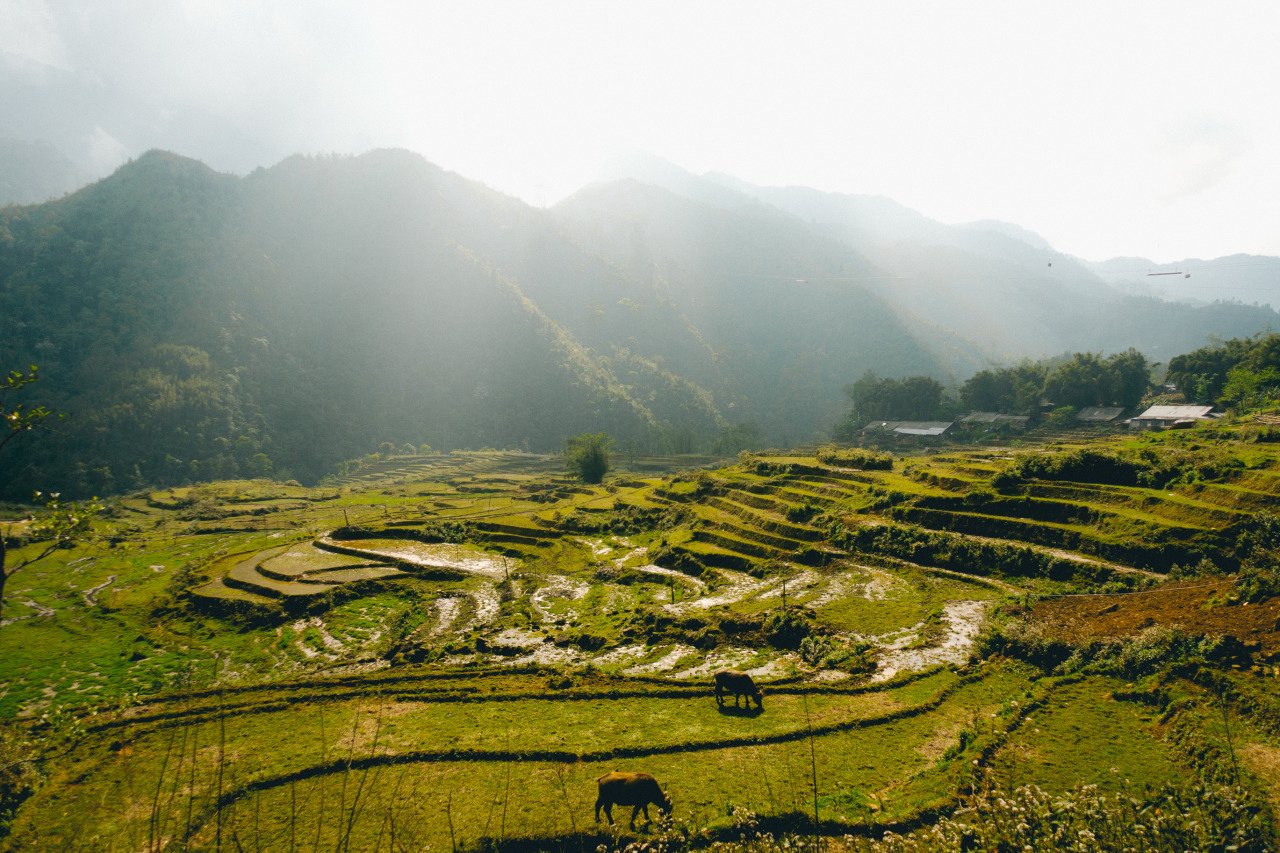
(587, 456)
(62, 523)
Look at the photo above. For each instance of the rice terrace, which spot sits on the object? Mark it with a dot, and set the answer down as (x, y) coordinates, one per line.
(446, 651)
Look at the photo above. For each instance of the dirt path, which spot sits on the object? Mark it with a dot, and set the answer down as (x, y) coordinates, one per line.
(333, 646)
(672, 573)
(664, 664)
(91, 595)
(739, 586)
(41, 612)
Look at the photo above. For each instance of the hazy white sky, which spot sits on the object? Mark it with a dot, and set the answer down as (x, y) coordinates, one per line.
(1110, 128)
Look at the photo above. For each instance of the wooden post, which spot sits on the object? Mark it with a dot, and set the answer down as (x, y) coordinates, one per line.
(784, 593)
(345, 521)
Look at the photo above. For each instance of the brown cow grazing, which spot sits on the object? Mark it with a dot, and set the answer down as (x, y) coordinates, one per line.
(739, 684)
(630, 789)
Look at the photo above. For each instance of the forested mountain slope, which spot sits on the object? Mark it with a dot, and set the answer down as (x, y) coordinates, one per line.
(199, 325)
(766, 293)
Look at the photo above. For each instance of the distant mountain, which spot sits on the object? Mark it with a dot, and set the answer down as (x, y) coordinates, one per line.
(97, 124)
(198, 325)
(1247, 279)
(32, 172)
(1008, 229)
(1000, 287)
(779, 305)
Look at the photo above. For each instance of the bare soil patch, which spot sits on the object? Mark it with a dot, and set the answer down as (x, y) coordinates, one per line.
(1185, 605)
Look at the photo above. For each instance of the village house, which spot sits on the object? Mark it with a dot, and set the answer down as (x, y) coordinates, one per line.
(995, 419)
(1099, 414)
(916, 429)
(1172, 417)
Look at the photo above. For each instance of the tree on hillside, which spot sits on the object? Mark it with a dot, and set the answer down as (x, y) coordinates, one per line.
(587, 456)
(1201, 375)
(1088, 379)
(1255, 381)
(874, 399)
(62, 523)
(1128, 378)
(1011, 390)
(738, 437)
(1080, 382)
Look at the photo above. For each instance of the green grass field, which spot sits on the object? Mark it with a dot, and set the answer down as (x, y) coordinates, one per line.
(448, 649)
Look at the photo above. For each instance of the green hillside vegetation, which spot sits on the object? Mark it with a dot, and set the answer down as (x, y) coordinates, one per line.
(201, 326)
(446, 649)
(1240, 373)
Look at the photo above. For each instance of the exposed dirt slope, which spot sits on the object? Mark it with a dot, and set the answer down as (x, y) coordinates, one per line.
(1080, 618)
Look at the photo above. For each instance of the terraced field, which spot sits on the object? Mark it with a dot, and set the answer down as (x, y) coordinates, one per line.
(446, 650)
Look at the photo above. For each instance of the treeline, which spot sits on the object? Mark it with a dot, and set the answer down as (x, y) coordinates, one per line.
(1241, 373)
(1080, 380)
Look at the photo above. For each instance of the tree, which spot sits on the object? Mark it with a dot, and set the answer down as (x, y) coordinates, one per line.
(1080, 382)
(876, 399)
(738, 437)
(1011, 390)
(1201, 375)
(1255, 381)
(62, 523)
(587, 456)
(1129, 378)
(18, 417)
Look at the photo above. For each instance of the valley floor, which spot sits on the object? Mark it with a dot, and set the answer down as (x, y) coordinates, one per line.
(445, 651)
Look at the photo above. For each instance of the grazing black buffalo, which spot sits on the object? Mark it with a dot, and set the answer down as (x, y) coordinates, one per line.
(739, 684)
(630, 789)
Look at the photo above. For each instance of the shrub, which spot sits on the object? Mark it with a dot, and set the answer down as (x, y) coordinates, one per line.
(853, 457)
(1129, 657)
(1191, 817)
(1149, 468)
(446, 531)
(834, 653)
(787, 629)
(674, 558)
(587, 456)
(1256, 583)
(627, 520)
(802, 513)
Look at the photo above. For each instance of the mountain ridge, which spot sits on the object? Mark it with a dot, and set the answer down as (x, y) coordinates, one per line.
(198, 324)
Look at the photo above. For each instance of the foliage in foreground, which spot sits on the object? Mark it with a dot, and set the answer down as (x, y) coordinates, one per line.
(1198, 817)
(1194, 817)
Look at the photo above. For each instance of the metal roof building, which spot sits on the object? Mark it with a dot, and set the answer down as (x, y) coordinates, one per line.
(1163, 417)
(931, 429)
(1099, 414)
(1018, 421)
